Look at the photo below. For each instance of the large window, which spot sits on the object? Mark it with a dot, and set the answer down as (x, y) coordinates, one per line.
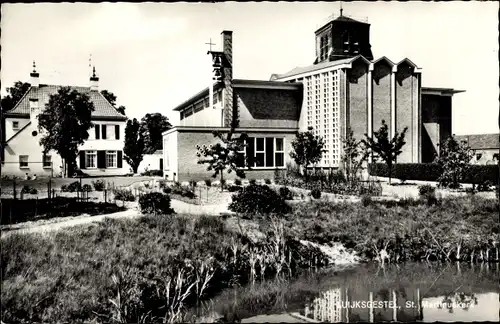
(263, 152)
(90, 159)
(111, 159)
(23, 161)
(47, 161)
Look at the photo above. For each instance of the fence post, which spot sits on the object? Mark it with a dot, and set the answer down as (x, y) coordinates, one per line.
(14, 187)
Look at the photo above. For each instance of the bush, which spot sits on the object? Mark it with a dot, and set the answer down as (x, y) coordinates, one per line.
(167, 190)
(366, 200)
(432, 171)
(29, 190)
(286, 193)
(237, 182)
(470, 190)
(427, 193)
(252, 182)
(152, 173)
(484, 186)
(316, 193)
(124, 195)
(72, 187)
(258, 199)
(267, 181)
(155, 202)
(208, 182)
(98, 185)
(87, 188)
(234, 188)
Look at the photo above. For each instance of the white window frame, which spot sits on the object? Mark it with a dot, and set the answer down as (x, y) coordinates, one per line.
(259, 152)
(46, 164)
(244, 151)
(89, 154)
(21, 166)
(112, 154)
(14, 123)
(280, 152)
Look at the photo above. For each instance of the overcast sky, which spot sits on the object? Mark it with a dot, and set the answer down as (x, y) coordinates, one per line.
(152, 56)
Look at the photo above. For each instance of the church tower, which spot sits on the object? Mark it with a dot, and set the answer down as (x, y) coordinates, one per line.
(342, 37)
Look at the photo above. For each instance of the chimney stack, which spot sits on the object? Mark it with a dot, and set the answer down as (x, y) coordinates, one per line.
(34, 111)
(227, 49)
(34, 77)
(94, 81)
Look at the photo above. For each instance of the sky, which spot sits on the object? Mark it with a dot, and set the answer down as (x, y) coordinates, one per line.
(153, 56)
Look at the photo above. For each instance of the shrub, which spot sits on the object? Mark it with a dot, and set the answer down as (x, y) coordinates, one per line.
(209, 223)
(316, 193)
(286, 193)
(223, 183)
(237, 182)
(234, 188)
(208, 182)
(155, 202)
(87, 188)
(167, 190)
(29, 190)
(74, 186)
(366, 200)
(98, 185)
(432, 171)
(267, 181)
(124, 195)
(258, 199)
(470, 190)
(427, 193)
(64, 188)
(484, 186)
(152, 173)
(253, 182)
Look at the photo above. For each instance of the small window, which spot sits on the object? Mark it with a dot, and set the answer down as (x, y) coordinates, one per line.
(23, 161)
(47, 161)
(15, 125)
(90, 159)
(111, 159)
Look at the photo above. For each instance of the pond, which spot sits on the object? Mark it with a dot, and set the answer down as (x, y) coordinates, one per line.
(424, 292)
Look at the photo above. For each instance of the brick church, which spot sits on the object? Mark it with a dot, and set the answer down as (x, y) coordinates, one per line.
(344, 88)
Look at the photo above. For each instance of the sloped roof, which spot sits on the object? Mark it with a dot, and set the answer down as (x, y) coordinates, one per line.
(319, 66)
(102, 107)
(347, 19)
(481, 141)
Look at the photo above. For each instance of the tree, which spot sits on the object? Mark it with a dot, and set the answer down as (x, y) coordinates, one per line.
(121, 110)
(223, 155)
(387, 150)
(64, 125)
(154, 125)
(15, 94)
(110, 96)
(355, 155)
(134, 144)
(454, 159)
(307, 149)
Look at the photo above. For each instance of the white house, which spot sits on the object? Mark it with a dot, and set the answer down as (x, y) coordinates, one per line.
(101, 154)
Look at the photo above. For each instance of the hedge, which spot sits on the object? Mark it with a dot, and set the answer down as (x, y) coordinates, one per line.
(431, 172)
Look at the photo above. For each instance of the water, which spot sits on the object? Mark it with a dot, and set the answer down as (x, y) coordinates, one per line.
(369, 293)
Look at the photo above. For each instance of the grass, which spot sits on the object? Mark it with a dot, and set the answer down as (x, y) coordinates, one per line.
(17, 211)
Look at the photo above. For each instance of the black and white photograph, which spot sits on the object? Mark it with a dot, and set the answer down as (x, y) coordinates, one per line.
(250, 162)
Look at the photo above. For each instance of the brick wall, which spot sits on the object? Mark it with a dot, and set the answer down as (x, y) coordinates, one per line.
(381, 95)
(357, 115)
(189, 169)
(268, 107)
(405, 82)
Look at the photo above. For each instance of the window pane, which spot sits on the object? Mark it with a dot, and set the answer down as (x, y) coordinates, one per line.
(259, 159)
(269, 151)
(280, 159)
(260, 144)
(279, 144)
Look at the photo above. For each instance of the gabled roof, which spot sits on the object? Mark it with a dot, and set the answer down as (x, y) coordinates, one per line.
(102, 107)
(320, 66)
(385, 59)
(481, 141)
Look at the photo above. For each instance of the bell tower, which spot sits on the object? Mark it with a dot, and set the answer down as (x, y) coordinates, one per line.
(342, 37)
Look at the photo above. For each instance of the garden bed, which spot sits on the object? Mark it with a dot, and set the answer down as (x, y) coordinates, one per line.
(17, 211)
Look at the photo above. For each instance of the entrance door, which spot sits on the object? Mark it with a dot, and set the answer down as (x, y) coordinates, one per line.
(161, 164)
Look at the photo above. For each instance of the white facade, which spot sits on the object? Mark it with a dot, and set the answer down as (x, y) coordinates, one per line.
(150, 162)
(170, 155)
(200, 114)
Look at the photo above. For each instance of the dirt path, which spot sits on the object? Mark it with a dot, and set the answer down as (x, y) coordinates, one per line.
(132, 212)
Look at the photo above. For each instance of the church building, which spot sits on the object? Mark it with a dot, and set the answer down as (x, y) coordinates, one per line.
(345, 88)
(101, 154)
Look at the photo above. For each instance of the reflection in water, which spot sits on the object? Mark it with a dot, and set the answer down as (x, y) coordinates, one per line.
(406, 293)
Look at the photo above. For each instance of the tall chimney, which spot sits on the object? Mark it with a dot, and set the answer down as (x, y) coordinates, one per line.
(34, 111)
(227, 49)
(94, 81)
(34, 77)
